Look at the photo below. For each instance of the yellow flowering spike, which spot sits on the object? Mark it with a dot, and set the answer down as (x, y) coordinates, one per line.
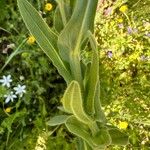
(123, 8)
(48, 7)
(120, 20)
(8, 109)
(31, 40)
(123, 125)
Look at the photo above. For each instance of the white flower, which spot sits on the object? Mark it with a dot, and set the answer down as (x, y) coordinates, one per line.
(10, 97)
(6, 80)
(20, 90)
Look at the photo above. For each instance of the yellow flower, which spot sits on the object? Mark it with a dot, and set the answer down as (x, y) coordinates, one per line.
(123, 8)
(8, 109)
(31, 40)
(48, 7)
(123, 125)
(120, 20)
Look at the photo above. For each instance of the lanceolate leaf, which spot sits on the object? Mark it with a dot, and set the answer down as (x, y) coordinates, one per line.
(65, 10)
(82, 145)
(77, 104)
(77, 128)
(73, 103)
(93, 79)
(66, 100)
(63, 13)
(99, 114)
(70, 40)
(45, 37)
(57, 120)
(102, 137)
(81, 21)
(118, 138)
(58, 24)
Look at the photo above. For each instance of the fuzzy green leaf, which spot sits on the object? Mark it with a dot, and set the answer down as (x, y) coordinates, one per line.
(63, 13)
(58, 24)
(57, 120)
(65, 10)
(81, 21)
(73, 103)
(66, 100)
(79, 129)
(99, 114)
(82, 145)
(93, 79)
(44, 36)
(70, 39)
(118, 138)
(77, 104)
(102, 137)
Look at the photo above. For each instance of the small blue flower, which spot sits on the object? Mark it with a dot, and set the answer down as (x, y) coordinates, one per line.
(20, 90)
(10, 97)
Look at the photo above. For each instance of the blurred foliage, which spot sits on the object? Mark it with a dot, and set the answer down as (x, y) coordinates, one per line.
(140, 8)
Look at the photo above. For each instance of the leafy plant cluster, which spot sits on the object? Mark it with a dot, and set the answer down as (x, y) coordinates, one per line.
(63, 45)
